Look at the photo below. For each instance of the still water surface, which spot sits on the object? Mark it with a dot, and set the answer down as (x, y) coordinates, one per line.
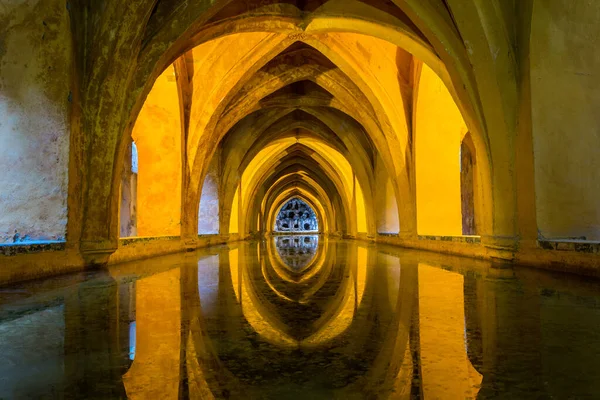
(302, 318)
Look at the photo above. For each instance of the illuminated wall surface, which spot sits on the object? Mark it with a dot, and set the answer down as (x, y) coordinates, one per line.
(157, 134)
(359, 108)
(440, 128)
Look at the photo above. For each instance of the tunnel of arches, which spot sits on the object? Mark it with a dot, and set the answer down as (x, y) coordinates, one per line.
(302, 113)
(402, 118)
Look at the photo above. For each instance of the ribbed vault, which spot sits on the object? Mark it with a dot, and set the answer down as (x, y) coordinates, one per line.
(317, 99)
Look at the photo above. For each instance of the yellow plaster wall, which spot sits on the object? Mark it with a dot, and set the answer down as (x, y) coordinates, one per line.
(209, 62)
(336, 159)
(157, 134)
(386, 205)
(234, 219)
(439, 128)
(361, 210)
(378, 63)
(565, 95)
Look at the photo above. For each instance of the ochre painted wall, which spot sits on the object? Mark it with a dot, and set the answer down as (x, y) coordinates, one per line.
(386, 206)
(361, 210)
(157, 134)
(234, 221)
(565, 95)
(439, 128)
(35, 64)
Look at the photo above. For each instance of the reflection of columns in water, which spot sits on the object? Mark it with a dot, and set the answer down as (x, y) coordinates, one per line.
(203, 372)
(393, 369)
(96, 340)
(512, 329)
(474, 310)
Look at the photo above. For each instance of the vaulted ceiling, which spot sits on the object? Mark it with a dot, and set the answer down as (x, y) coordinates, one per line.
(311, 98)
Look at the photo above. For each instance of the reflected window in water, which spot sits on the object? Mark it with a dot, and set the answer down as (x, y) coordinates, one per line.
(297, 251)
(132, 341)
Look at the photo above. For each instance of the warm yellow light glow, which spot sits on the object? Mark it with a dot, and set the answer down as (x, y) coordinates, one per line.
(336, 164)
(208, 93)
(337, 323)
(337, 326)
(316, 266)
(261, 326)
(265, 156)
(392, 267)
(234, 220)
(439, 129)
(361, 210)
(386, 204)
(157, 134)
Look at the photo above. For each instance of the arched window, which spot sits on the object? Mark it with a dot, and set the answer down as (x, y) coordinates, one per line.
(296, 216)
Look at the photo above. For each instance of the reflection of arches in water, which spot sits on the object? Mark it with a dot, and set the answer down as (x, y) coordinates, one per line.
(389, 350)
(382, 347)
(280, 278)
(251, 283)
(296, 216)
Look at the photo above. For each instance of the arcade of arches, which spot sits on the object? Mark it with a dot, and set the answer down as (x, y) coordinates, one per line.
(140, 128)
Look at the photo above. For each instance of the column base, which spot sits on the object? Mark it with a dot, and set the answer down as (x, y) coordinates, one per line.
(97, 253)
(501, 249)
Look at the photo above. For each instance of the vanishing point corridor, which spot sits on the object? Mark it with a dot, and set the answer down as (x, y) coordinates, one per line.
(299, 199)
